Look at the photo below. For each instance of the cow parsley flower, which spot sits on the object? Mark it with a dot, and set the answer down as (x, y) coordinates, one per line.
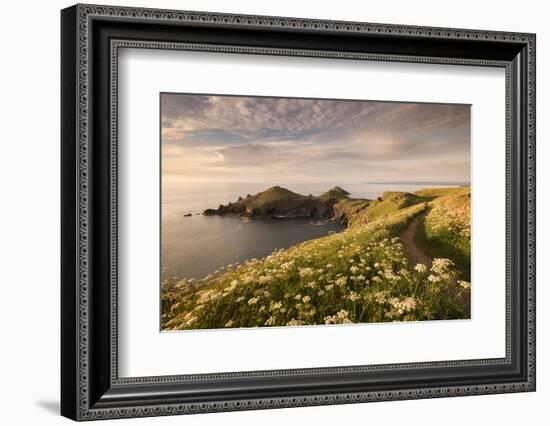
(420, 267)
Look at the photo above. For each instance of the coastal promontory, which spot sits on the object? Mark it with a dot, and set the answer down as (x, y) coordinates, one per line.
(280, 203)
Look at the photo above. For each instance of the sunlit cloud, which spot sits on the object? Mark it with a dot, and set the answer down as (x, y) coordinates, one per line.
(232, 138)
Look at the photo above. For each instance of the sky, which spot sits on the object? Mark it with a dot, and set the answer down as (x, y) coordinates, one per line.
(243, 138)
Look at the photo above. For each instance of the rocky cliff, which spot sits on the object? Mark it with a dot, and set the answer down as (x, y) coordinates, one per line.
(280, 203)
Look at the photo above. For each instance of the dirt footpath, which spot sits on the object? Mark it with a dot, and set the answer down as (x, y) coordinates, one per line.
(414, 253)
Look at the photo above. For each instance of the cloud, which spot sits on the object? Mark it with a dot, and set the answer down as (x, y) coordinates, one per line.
(250, 117)
(232, 137)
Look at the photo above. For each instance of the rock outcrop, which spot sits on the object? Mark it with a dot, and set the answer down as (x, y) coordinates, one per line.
(280, 203)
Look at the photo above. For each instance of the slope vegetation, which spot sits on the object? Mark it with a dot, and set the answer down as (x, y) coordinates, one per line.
(362, 274)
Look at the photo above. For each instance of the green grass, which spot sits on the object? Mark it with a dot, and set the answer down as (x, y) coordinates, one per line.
(445, 230)
(433, 193)
(390, 203)
(271, 195)
(435, 246)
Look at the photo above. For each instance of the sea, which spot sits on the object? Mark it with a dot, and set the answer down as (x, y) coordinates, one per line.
(195, 246)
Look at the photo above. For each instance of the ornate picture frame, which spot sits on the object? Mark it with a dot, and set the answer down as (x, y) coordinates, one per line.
(91, 38)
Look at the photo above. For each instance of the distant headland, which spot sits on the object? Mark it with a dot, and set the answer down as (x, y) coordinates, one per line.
(281, 203)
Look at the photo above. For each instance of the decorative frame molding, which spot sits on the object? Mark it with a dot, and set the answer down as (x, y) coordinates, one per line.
(91, 37)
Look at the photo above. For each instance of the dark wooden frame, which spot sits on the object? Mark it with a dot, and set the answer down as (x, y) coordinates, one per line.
(91, 37)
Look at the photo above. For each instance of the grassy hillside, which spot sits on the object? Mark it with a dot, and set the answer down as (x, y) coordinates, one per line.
(387, 204)
(278, 202)
(335, 192)
(446, 230)
(359, 275)
(348, 208)
(432, 193)
(270, 195)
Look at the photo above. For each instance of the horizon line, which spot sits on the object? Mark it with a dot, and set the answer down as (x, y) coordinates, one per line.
(420, 183)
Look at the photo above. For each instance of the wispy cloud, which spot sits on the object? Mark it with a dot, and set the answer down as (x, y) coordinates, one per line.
(241, 138)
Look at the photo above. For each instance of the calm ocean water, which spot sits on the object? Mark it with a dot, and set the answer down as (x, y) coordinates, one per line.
(195, 246)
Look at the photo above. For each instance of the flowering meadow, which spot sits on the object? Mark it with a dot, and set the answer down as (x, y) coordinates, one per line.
(447, 228)
(360, 275)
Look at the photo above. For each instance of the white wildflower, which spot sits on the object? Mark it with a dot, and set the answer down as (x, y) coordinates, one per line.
(353, 296)
(342, 281)
(464, 284)
(420, 267)
(432, 278)
(341, 317)
(274, 306)
(305, 272)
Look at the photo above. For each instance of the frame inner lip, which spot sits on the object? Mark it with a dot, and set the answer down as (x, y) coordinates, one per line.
(115, 45)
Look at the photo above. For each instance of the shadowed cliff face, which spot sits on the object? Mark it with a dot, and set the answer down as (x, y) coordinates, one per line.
(277, 202)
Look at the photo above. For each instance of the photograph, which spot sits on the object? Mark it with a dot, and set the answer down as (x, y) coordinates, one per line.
(282, 211)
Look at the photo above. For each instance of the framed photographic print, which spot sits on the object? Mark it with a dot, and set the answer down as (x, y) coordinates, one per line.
(263, 212)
